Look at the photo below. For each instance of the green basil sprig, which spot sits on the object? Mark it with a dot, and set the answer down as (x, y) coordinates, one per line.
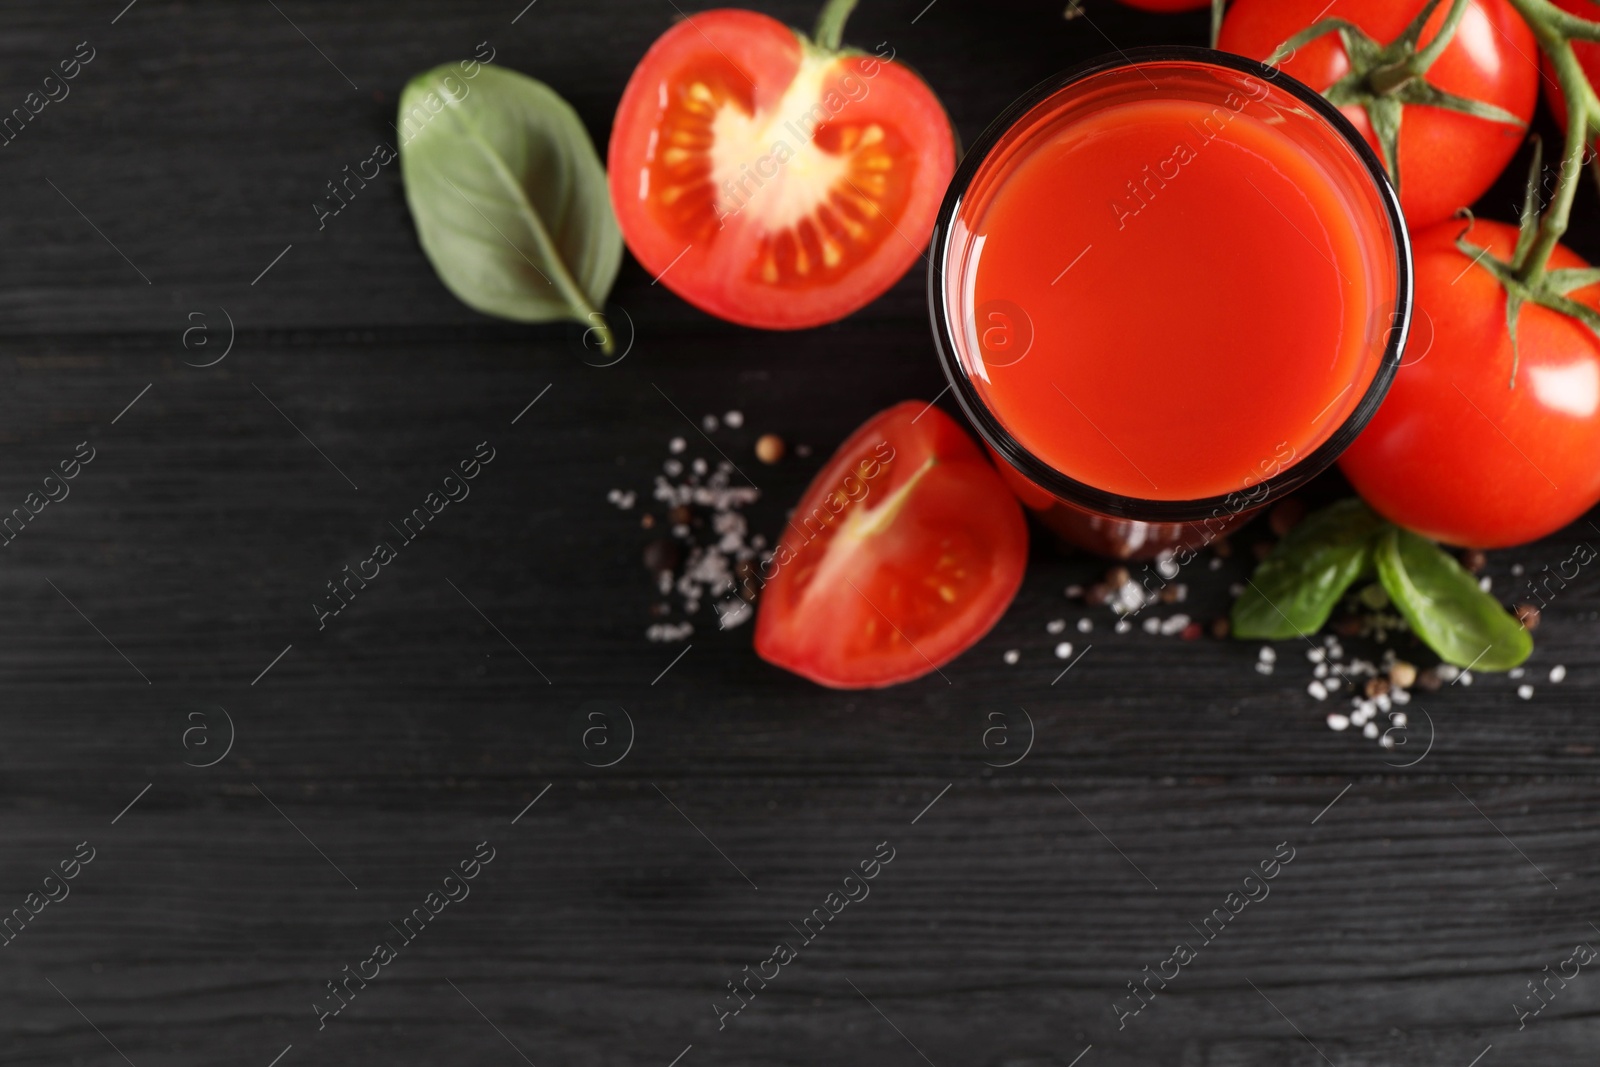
(1296, 588)
(508, 196)
(1444, 606)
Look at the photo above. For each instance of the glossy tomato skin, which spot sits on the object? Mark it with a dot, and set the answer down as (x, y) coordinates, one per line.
(769, 182)
(1447, 160)
(1456, 452)
(905, 550)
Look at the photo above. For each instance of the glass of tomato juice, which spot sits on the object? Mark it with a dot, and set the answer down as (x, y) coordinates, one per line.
(1168, 287)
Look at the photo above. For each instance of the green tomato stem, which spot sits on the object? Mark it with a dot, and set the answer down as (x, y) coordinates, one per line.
(1583, 114)
(1427, 56)
(1542, 13)
(829, 34)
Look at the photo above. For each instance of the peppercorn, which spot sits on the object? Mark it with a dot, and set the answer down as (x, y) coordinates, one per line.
(1402, 675)
(1474, 560)
(1528, 615)
(769, 448)
(1220, 628)
(661, 555)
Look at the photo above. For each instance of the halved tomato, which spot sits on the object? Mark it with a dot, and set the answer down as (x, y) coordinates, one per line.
(771, 181)
(905, 550)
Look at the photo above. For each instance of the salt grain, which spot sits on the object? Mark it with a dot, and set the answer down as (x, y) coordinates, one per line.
(1558, 673)
(1338, 722)
(709, 424)
(1122, 626)
(676, 445)
(1268, 654)
(1064, 650)
(1318, 690)
(1174, 625)
(734, 419)
(1263, 668)
(1084, 626)
(1151, 625)
(1370, 730)
(1011, 656)
(1525, 692)
(1055, 626)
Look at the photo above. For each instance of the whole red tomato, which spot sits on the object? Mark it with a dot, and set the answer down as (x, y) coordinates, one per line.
(1447, 159)
(903, 552)
(1461, 451)
(772, 181)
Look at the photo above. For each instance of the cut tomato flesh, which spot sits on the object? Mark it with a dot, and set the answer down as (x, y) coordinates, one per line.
(903, 553)
(804, 199)
(771, 182)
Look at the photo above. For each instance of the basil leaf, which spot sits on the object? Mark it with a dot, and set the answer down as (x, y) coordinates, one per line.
(1295, 589)
(1444, 606)
(508, 195)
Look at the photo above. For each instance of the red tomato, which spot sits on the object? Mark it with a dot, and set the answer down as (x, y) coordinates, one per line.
(905, 550)
(1460, 452)
(1446, 159)
(770, 182)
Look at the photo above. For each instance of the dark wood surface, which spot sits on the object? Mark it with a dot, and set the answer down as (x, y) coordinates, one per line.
(190, 550)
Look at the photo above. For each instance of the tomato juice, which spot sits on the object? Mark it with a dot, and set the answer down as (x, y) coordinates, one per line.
(1162, 283)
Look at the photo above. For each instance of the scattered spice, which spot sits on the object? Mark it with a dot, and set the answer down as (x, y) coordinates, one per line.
(1528, 616)
(769, 448)
(705, 553)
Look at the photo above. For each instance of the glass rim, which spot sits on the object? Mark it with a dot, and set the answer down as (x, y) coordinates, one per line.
(1139, 509)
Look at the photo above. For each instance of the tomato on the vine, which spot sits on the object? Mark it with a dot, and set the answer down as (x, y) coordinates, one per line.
(771, 180)
(1445, 158)
(905, 550)
(1463, 450)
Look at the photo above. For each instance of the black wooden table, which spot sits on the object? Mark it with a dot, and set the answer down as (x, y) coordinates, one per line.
(261, 802)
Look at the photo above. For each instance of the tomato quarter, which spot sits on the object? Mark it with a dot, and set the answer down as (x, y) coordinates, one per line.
(905, 550)
(771, 181)
(1460, 451)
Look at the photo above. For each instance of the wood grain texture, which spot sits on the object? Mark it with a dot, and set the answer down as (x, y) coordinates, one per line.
(413, 727)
